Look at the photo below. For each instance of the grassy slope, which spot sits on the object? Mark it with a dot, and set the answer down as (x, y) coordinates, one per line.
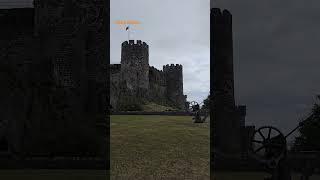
(159, 147)
(153, 107)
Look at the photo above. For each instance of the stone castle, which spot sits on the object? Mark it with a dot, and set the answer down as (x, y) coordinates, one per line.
(135, 78)
(54, 90)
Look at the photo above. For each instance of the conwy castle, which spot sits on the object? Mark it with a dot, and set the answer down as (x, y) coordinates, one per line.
(134, 81)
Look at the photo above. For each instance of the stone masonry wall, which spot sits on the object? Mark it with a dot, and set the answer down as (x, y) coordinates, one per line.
(158, 86)
(135, 69)
(114, 84)
(16, 45)
(54, 62)
(174, 81)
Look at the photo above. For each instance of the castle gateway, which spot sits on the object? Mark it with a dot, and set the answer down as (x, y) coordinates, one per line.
(134, 81)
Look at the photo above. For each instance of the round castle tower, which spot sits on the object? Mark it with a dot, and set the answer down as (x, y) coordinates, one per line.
(69, 39)
(135, 68)
(227, 120)
(223, 81)
(174, 81)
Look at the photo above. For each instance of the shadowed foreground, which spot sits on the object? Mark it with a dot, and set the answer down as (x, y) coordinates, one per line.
(159, 147)
(53, 175)
(250, 176)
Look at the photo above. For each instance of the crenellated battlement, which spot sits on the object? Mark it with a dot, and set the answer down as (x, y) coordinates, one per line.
(137, 49)
(223, 16)
(134, 43)
(172, 67)
(152, 68)
(218, 12)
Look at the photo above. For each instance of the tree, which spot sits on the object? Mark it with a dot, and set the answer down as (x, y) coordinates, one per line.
(309, 134)
(206, 103)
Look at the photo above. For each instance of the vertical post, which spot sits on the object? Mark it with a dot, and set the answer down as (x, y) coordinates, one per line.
(128, 29)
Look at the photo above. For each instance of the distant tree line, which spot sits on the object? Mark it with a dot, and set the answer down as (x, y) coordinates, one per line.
(206, 103)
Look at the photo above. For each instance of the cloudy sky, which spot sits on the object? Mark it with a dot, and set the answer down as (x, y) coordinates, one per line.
(15, 3)
(276, 58)
(177, 33)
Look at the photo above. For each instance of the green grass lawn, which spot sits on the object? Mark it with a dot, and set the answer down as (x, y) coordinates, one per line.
(159, 147)
(150, 148)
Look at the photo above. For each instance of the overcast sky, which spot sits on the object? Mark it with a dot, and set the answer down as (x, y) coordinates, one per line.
(177, 32)
(15, 3)
(276, 58)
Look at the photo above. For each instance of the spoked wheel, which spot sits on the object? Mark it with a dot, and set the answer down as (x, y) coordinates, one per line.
(268, 145)
(195, 109)
(193, 105)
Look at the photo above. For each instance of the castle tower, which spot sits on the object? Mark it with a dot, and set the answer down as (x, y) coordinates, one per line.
(135, 68)
(47, 14)
(72, 37)
(226, 124)
(174, 80)
(58, 27)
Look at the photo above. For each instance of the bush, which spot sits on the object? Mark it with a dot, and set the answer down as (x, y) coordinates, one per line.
(130, 104)
(131, 107)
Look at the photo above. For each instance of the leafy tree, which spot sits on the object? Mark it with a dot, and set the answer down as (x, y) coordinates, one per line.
(309, 133)
(206, 103)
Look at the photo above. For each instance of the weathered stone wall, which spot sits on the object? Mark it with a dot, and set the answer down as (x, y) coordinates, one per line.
(174, 81)
(158, 86)
(115, 70)
(135, 69)
(57, 34)
(55, 66)
(16, 45)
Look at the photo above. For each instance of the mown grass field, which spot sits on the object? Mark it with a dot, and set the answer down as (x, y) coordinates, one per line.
(143, 147)
(150, 148)
(159, 147)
